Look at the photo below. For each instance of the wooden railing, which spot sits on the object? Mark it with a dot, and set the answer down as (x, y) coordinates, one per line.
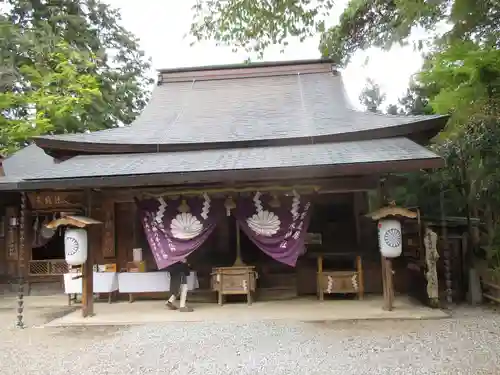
(54, 267)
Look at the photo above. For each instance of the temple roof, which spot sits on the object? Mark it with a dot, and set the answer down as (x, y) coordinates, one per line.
(259, 105)
(234, 123)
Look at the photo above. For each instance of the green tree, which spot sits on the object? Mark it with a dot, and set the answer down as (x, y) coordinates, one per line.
(82, 41)
(462, 78)
(48, 93)
(253, 25)
(371, 96)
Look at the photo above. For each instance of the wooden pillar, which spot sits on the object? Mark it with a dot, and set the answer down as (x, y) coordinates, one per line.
(320, 278)
(87, 270)
(389, 284)
(361, 279)
(357, 196)
(386, 263)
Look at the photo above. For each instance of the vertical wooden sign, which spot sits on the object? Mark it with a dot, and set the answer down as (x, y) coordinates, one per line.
(12, 219)
(108, 232)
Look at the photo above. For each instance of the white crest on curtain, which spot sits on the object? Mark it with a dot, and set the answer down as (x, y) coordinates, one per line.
(264, 223)
(185, 226)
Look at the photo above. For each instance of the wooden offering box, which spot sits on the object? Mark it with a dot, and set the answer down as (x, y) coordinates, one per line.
(234, 280)
(341, 282)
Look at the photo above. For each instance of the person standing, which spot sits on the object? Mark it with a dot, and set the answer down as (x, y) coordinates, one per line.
(179, 273)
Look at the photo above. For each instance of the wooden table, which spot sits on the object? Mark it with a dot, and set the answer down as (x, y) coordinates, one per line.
(233, 281)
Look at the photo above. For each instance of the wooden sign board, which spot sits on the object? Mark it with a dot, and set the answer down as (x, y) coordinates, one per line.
(12, 219)
(56, 199)
(108, 234)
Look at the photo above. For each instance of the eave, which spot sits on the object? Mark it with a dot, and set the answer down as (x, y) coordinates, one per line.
(234, 176)
(419, 131)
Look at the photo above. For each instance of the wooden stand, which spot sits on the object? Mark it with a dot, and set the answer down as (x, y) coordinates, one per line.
(342, 282)
(238, 279)
(234, 280)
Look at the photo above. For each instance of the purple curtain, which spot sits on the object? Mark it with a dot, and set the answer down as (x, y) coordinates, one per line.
(176, 227)
(277, 227)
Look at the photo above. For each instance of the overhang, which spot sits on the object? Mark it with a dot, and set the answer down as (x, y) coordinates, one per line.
(237, 165)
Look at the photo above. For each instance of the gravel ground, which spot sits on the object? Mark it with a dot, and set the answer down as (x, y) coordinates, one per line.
(467, 343)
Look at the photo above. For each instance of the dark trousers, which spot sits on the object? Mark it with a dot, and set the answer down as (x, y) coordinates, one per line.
(179, 273)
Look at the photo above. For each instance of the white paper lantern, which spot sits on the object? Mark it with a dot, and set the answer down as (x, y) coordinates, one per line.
(390, 238)
(75, 246)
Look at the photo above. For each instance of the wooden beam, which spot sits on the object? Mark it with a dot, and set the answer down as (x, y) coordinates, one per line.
(324, 186)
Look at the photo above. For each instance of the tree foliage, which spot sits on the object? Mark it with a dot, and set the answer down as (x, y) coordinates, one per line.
(371, 96)
(66, 66)
(463, 78)
(255, 24)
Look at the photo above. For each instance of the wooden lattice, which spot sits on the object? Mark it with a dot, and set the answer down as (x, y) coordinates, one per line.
(39, 267)
(59, 267)
(47, 267)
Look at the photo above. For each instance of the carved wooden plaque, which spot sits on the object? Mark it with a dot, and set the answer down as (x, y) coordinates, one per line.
(108, 233)
(55, 199)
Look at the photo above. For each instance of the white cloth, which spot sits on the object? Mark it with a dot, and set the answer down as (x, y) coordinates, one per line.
(104, 282)
(147, 282)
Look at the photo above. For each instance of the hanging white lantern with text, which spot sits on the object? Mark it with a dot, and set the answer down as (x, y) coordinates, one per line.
(75, 246)
(390, 238)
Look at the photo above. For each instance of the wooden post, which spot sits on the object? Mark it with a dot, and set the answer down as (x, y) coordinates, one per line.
(384, 282)
(88, 272)
(382, 198)
(389, 300)
(356, 209)
(239, 261)
(361, 281)
(320, 278)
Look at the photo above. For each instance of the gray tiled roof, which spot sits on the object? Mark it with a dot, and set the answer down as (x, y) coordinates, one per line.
(378, 150)
(256, 108)
(27, 161)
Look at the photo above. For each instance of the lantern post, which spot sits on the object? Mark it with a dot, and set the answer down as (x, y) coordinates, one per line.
(390, 244)
(77, 253)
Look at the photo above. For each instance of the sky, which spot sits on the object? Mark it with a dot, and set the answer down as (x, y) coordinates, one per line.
(162, 25)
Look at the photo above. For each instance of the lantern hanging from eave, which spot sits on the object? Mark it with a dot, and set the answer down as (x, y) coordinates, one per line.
(390, 238)
(75, 246)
